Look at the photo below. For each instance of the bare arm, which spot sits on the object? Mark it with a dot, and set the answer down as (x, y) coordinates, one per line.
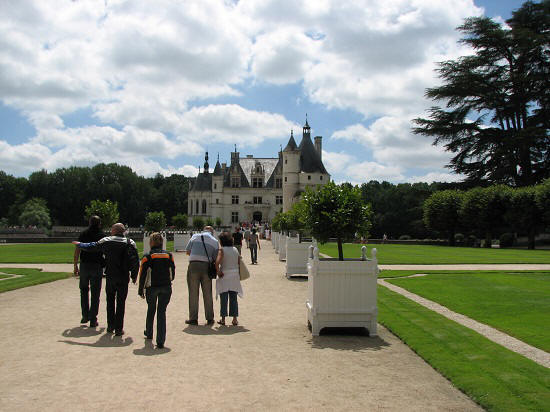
(219, 259)
(75, 261)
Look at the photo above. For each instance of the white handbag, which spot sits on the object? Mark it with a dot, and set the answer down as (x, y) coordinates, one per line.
(243, 270)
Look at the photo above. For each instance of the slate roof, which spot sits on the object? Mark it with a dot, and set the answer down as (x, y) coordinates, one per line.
(203, 182)
(291, 145)
(218, 169)
(310, 161)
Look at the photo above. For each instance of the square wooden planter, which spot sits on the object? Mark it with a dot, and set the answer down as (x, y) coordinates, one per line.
(342, 293)
(282, 246)
(296, 256)
(275, 241)
(180, 241)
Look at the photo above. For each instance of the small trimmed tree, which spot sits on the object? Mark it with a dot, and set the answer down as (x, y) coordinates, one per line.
(35, 213)
(336, 211)
(524, 214)
(180, 221)
(218, 221)
(441, 212)
(155, 221)
(198, 223)
(107, 211)
(209, 221)
(543, 200)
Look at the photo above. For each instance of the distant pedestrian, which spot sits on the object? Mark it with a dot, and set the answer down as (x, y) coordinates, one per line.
(91, 272)
(202, 249)
(247, 236)
(238, 239)
(228, 284)
(254, 244)
(121, 264)
(156, 274)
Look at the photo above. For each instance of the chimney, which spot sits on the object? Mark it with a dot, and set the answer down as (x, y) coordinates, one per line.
(224, 166)
(319, 146)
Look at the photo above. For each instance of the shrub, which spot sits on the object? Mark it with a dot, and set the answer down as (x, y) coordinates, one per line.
(209, 221)
(218, 221)
(471, 241)
(180, 221)
(155, 221)
(107, 212)
(459, 238)
(404, 237)
(506, 240)
(198, 223)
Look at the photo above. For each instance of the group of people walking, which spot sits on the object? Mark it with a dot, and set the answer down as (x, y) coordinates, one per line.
(117, 256)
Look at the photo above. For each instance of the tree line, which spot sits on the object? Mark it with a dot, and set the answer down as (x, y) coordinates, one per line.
(67, 192)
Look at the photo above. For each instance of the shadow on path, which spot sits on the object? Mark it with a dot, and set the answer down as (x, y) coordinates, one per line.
(297, 278)
(349, 339)
(221, 330)
(149, 349)
(82, 332)
(105, 341)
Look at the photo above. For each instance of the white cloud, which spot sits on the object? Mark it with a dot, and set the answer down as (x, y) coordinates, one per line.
(346, 168)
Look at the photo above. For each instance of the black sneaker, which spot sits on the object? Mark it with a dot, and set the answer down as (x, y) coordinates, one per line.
(160, 345)
(210, 322)
(119, 333)
(84, 320)
(110, 330)
(191, 322)
(146, 335)
(93, 323)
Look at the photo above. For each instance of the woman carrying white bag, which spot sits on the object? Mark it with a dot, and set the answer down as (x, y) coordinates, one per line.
(231, 270)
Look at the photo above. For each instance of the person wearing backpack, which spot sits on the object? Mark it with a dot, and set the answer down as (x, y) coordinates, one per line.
(156, 273)
(121, 264)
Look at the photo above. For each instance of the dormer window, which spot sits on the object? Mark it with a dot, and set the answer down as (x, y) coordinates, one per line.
(257, 182)
(235, 181)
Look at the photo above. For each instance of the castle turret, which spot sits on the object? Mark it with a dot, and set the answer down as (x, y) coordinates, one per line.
(291, 170)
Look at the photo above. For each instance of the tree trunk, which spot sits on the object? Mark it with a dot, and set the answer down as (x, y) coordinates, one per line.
(340, 250)
(488, 239)
(451, 238)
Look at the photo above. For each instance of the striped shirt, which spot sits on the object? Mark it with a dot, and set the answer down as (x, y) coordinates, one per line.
(196, 247)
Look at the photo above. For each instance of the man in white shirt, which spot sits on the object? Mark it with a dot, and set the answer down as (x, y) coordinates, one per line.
(201, 249)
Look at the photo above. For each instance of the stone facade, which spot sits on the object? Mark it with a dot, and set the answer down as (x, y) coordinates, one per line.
(255, 189)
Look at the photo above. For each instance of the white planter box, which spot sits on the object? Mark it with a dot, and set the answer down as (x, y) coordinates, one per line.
(147, 247)
(296, 257)
(282, 247)
(276, 238)
(342, 294)
(180, 241)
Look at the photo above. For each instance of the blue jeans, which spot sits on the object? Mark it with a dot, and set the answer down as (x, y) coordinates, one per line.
(158, 298)
(233, 305)
(254, 253)
(90, 284)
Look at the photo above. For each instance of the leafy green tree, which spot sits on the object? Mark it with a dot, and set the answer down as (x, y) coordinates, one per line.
(497, 113)
(441, 212)
(218, 221)
(180, 221)
(12, 190)
(198, 223)
(524, 214)
(336, 211)
(4, 222)
(209, 222)
(543, 200)
(35, 213)
(483, 210)
(107, 211)
(155, 221)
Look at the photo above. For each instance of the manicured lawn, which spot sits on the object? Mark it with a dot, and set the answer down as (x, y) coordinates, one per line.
(427, 255)
(30, 277)
(515, 303)
(46, 252)
(494, 377)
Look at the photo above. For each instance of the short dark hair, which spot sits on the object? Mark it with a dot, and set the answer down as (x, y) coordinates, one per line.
(226, 239)
(95, 222)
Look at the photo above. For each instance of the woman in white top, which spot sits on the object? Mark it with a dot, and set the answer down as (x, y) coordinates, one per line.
(228, 283)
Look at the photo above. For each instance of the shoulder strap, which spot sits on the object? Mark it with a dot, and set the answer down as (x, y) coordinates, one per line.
(204, 245)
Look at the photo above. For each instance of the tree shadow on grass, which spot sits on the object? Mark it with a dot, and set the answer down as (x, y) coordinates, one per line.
(149, 349)
(221, 330)
(82, 332)
(349, 339)
(105, 341)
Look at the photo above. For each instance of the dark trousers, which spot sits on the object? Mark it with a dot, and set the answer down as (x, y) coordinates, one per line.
(90, 282)
(233, 305)
(116, 292)
(158, 298)
(254, 252)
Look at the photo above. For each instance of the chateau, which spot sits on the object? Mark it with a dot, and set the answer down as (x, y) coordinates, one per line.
(255, 189)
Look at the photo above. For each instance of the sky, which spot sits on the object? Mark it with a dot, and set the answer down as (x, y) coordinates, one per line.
(153, 85)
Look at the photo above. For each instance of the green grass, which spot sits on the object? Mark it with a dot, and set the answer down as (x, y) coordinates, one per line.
(516, 303)
(428, 255)
(46, 252)
(496, 378)
(30, 277)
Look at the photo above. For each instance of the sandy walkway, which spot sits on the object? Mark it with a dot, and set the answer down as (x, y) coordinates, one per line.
(271, 362)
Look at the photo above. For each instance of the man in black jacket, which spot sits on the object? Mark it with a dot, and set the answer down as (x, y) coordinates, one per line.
(121, 263)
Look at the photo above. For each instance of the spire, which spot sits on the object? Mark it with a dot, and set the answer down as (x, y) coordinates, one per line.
(291, 145)
(218, 167)
(206, 163)
(306, 131)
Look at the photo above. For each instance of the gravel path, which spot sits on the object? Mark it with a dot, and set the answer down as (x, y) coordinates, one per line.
(509, 342)
(270, 362)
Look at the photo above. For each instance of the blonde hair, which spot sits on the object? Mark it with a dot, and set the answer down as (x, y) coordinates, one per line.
(156, 240)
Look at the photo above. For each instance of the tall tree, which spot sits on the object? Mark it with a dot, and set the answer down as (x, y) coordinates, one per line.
(497, 114)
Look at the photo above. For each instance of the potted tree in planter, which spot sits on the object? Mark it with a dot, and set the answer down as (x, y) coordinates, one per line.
(181, 238)
(154, 222)
(341, 292)
(296, 249)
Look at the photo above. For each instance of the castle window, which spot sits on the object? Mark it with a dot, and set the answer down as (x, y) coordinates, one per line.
(215, 186)
(286, 161)
(278, 183)
(234, 217)
(285, 178)
(257, 200)
(257, 182)
(203, 206)
(234, 199)
(278, 200)
(308, 177)
(197, 207)
(217, 201)
(235, 181)
(320, 177)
